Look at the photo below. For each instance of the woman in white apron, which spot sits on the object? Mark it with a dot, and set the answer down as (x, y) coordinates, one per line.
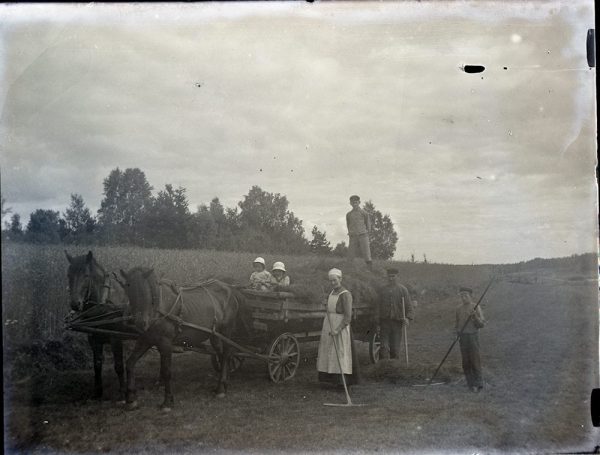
(339, 309)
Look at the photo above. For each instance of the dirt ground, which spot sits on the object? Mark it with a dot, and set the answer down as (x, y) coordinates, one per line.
(540, 360)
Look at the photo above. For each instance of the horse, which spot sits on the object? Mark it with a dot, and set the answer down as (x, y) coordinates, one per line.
(93, 291)
(164, 315)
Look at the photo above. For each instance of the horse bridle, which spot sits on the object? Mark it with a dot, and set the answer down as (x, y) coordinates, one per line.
(88, 295)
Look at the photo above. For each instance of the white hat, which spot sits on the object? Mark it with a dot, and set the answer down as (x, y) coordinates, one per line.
(335, 272)
(259, 260)
(279, 266)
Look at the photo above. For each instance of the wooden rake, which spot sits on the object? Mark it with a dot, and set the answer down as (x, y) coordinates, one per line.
(337, 355)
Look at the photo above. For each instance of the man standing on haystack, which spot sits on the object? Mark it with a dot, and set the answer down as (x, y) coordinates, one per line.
(393, 312)
(358, 222)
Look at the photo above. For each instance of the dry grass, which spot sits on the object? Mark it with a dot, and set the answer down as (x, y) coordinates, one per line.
(539, 356)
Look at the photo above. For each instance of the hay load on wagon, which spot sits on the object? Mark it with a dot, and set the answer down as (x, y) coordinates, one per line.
(309, 281)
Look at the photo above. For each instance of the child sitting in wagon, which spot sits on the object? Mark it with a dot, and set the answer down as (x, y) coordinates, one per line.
(280, 281)
(260, 278)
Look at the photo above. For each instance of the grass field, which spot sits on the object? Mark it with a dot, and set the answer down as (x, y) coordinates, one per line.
(540, 357)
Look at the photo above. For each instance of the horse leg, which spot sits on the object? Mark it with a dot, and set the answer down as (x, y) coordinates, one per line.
(141, 346)
(222, 385)
(117, 350)
(165, 348)
(97, 345)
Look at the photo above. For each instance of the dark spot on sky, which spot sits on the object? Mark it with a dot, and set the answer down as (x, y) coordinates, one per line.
(198, 84)
(473, 69)
(260, 170)
(506, 67)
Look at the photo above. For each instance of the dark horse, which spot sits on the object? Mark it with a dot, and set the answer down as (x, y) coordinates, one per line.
(164, 313)
(93, 291)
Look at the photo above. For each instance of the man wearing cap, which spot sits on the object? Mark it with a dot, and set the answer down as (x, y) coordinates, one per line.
(359, 227)
(260, 278)
(469, 338)
(392, 313)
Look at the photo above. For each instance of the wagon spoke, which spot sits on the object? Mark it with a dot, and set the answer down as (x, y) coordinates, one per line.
(276, 369)
(285, 347)
(287, 371)
(288, 346)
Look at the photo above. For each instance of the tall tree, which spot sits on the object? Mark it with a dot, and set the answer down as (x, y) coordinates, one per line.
(79, 222)
(383, 236)
(14, 228)
(44, 227)
(319, 243)
(167, 219)
(127, 194)
(268, 225)
(203, 229)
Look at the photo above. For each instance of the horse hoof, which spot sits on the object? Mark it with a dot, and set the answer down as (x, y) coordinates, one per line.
(132, 406)
(120, 402)
(165, 409)
(221, 395)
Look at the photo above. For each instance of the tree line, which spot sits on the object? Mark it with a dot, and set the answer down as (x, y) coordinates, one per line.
(130, 214)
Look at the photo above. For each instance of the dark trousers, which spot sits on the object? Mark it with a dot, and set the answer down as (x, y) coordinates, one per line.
(359, 247)
(391, 339)
(471, 360)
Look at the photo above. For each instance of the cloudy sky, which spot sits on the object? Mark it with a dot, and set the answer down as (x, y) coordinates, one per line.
(317, 102)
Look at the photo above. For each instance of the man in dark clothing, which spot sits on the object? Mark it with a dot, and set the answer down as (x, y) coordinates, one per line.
(469, 339)
(358, 223)
(392, 315)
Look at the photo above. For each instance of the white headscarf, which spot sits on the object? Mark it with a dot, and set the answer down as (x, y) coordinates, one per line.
(335, 272)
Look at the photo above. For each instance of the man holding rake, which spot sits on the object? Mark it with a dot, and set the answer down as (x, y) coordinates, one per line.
(470, 320)
(392, 315)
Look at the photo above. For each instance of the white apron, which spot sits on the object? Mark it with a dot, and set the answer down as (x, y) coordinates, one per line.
(326, 360)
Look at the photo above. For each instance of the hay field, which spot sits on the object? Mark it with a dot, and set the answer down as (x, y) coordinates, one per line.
(540, 359)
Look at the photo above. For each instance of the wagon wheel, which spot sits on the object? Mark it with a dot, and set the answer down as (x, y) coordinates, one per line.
(235, 362)
(374, 346)
(287, 349)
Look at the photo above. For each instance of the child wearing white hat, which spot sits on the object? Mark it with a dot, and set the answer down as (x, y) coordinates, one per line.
(280, 281)
(260, 278)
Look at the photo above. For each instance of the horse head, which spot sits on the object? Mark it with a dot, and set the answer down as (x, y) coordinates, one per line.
(141, 286)
(86, 277)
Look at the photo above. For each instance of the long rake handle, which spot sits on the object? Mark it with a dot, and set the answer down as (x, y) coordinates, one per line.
(460, 333)
(337, 355)
(404, 333)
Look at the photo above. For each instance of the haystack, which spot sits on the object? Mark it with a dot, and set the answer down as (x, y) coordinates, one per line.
(309, 280)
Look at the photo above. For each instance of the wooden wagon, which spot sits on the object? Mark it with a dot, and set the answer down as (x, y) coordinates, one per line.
(279, 323)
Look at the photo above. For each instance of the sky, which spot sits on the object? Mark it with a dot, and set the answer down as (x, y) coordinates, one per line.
(317, 102)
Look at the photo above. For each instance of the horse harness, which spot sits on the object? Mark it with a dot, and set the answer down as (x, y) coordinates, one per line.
(174, 313)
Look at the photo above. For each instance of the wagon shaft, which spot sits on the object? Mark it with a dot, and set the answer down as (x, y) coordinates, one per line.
(97, 331)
